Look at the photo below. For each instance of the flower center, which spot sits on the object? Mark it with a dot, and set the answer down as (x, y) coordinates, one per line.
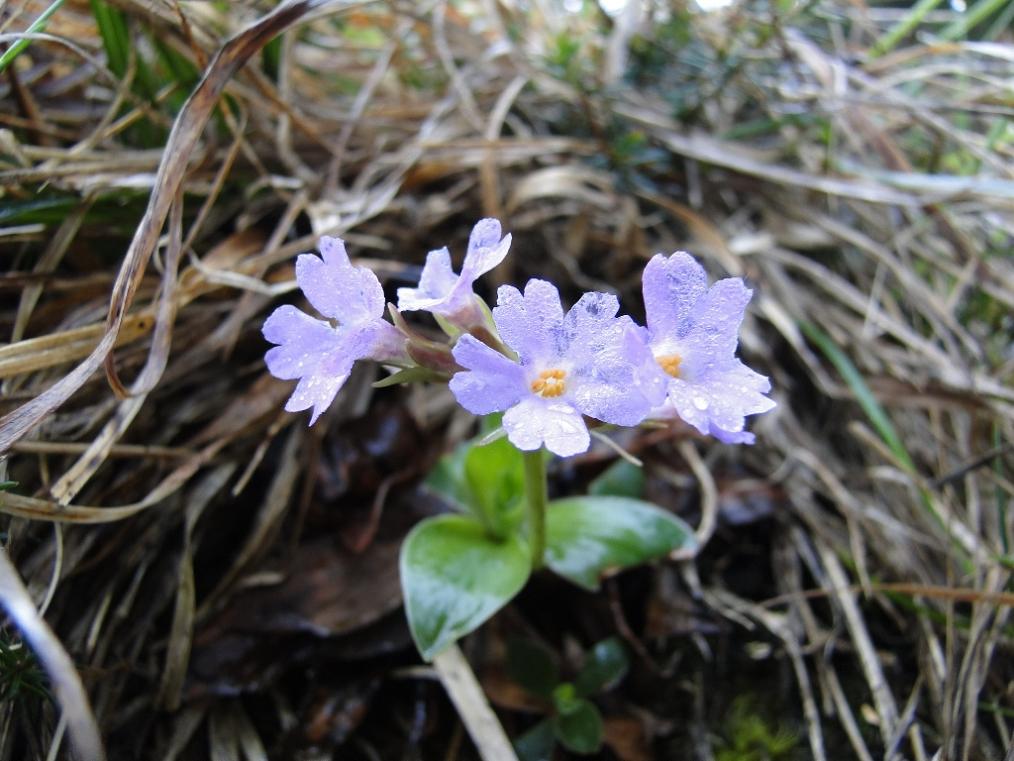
(670, 363)
(549, 384)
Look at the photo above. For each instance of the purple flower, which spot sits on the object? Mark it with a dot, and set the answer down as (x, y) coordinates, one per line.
(442, 292)
(320, 354)
(589, 362)
(693, 333)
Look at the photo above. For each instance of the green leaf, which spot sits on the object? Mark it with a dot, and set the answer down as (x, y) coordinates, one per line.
(448, 479)
(454, 576)
(621, 479)
(565, 698)
(496, 477)
(604, 666)
(532, 666)
(484, 481)
(589, 536)
(580, 729)
(537, 743)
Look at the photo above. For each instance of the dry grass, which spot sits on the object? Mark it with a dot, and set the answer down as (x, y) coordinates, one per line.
(868, 198)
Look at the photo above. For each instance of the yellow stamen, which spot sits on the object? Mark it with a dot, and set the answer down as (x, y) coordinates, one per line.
(549, 384)
(670, 363)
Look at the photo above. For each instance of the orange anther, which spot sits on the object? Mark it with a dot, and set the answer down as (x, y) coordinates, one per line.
(549, 384)
(670, 363)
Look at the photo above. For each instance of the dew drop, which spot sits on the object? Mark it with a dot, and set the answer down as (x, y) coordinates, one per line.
(700, 402)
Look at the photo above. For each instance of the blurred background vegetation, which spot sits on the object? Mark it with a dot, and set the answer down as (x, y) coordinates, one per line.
(224, 578)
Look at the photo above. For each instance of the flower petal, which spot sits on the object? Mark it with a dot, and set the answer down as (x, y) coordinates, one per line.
(610, 402)
(321, 356)
(586, 320)
(620, 382)
(492, 382)
(336, 288)
(442, 292)
(435, 283)
(386, 343)
(671, 288)
(594, 337)
(649, 379)
(486, 249)
(712, 329)
(531, 324)
(311, 350)
(302, 340)
(721, 398)
(316, 391)
(533, 422)
(733, 437)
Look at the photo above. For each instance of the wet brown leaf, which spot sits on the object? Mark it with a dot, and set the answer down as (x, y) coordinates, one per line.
(326, 592)
(627, 737)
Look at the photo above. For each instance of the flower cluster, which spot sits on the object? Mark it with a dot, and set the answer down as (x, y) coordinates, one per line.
(545, 369)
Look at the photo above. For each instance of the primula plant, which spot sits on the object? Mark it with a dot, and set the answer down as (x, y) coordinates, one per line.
(543, 377)
(574, 721)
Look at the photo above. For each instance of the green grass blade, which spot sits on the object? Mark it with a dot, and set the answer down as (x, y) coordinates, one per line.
(971, 18)
(37, 26)
(854, 379)
(271, 57)
(115, 37)
(1001, 24)
(882, 423)
(890, 39)
(181, 68)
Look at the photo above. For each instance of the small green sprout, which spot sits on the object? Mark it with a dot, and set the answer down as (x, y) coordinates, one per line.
(573, 719)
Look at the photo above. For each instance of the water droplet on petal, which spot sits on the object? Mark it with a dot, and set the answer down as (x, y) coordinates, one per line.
(700, 402)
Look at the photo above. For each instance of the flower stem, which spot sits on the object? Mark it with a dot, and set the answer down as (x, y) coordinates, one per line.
(536, 497)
